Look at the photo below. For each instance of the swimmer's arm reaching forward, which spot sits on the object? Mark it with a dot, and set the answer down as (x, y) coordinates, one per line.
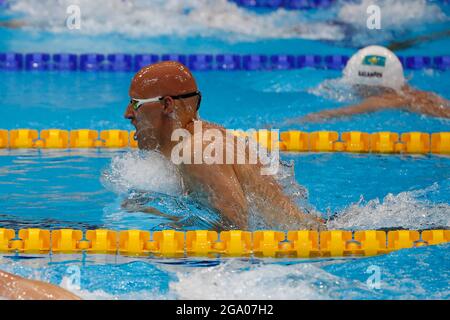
(410, 100)
(427, 103)
(369, 105)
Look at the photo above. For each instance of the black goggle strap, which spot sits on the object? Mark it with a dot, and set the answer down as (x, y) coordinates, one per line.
(189, 95)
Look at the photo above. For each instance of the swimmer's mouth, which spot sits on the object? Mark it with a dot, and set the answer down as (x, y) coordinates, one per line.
(135, 133)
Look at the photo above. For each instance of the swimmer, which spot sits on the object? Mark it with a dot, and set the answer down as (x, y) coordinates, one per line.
(17, 288)
(165, 97)
(376, 74)
(12, 24)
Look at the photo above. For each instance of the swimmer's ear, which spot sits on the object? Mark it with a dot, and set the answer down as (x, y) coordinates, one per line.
(168, 104)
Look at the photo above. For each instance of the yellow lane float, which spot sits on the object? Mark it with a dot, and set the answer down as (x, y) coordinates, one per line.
(53, 138)
(233, 243)
(291, 141)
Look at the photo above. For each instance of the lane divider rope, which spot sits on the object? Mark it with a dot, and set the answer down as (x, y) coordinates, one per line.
(292, 4)
(170, 243)
(285, 4)
(290, 141)
(122, 62)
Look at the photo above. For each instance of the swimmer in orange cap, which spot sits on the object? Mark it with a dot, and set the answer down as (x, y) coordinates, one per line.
(164, 98)
(376, 74)
(16, 288)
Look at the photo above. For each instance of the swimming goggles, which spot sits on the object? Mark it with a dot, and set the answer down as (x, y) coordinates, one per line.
(137, 103)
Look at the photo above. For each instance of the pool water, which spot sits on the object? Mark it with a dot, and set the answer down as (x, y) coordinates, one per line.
(100, 189)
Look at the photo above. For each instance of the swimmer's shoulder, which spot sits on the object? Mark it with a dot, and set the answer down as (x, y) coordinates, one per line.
(205, 126)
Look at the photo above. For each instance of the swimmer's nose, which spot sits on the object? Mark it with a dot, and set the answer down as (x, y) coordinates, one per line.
(129, 113)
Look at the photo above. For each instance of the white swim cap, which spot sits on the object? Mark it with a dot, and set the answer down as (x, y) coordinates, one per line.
(375, 66)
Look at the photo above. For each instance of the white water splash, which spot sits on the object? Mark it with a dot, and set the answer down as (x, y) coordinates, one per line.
(408, 210)
(103, 295)
(395, 14)
(236, 279)
(335, 89)
(170, 18)
(142, 171)
(222, 18)
(397, 17)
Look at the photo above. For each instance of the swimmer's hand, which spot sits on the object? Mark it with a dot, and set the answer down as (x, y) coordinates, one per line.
(132, 205)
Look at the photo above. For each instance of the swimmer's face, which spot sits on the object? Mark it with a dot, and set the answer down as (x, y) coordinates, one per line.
(149, 120)
(171, 101)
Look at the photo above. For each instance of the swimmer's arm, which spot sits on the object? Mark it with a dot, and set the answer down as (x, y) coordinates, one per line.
(369, 105)
(428, 103)
(413, 100)
(224, 191)
(15, 287)
(132, 205)
(270, 200)
(417, 40)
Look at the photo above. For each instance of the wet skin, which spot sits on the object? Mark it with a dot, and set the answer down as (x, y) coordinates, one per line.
(231, 189)
(408, 99)
(18, 288)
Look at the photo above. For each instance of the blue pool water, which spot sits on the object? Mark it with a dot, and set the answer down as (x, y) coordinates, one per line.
(91, 189)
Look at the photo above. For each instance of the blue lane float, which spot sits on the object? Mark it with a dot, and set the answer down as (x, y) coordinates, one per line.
(200, 62)
(292, 4)
(91, 62)
(120, 62)
(336, 62)
(181, 58)
(255, 62)
(286, 4)
(11, 61)
(142, 60)
(228, 62)
(282, 62)
(37, 61)
(65, 61)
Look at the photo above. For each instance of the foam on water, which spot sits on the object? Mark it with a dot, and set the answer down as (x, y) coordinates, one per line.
(408, 210)
(142, 171)
(235, 279)
(395, 14)
(103, 295)
(335, 89)
(172, 17)
(224, 19)
(398, 18)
